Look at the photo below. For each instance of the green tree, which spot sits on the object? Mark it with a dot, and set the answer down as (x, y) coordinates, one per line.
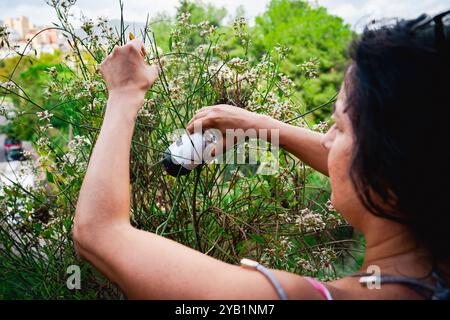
(201, 12)
(32, 76)
(309, 32)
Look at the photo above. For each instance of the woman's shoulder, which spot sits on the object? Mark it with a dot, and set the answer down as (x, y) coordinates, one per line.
(392, 286)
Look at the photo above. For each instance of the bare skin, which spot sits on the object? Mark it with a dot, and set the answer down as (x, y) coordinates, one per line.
(148, 266)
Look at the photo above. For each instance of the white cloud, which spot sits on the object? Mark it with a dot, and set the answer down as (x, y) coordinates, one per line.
(354, 12)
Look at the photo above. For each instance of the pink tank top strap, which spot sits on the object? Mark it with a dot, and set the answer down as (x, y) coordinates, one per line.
(319, 286)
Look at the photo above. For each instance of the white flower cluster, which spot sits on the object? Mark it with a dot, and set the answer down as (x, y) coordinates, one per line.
(233, 74)
(102, 22)
(285, 243)
(147, 111)
(78, 142)
(178, 33)
(206, 28)
(8, 85)
(183, 19)
(45, 127)
(75, 146)
(286, 85)
(273, 106)
(236, 173)
(95, 104)
(282, 51)
(88, 26)
(306, 265)
(333, 219)
(176, 86)
(325, 257)
(237, 78)
(278, 252)
(201, 49)
(4, 37)
(27, 154)
(221, 71)
(65, 4)
(310, 68)
(309, 221)
(321, 127)
(44, 115)
(86, 89)
(26, 170)
(51, 71)
(43, 142)
(239, 27)
(285, 217)
(330, 206)
(238, 64)
(251, 75)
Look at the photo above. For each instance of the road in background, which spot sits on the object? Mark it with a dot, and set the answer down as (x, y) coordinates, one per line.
(9, 171)
(2, 137)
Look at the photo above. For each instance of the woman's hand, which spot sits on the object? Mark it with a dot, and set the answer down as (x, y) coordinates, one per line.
(127, 74)
(223, 117)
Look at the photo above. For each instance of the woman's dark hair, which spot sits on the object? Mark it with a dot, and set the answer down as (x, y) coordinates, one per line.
(398, 94)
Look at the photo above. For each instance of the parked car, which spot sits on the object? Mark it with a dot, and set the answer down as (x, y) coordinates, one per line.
(12, 143)
(15, 154)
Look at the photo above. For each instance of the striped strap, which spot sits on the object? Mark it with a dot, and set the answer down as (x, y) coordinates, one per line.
(319, 286)
(250, 264)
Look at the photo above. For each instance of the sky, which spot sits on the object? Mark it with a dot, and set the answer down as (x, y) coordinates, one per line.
(354, 12)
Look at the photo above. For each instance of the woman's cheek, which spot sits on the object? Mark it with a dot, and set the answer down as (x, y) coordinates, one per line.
(342, 191)
(334, 178)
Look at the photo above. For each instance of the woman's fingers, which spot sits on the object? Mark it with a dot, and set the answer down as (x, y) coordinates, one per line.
(210, 116)
(139, 46)
(197, 121)
(201, 113)
(203, 109)
(153, 73)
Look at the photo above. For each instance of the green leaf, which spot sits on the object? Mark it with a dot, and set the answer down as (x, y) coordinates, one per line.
(70, 171)
(170, 43)
(50, 177)
(257, 238)
(68, 223)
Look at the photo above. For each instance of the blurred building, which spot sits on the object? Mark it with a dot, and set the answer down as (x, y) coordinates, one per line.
(21, 25)
(22, 31)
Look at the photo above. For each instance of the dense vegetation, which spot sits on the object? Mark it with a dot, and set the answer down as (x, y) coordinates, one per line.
(289, 65)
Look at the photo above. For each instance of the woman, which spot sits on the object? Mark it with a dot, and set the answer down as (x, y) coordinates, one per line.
(390, 127)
